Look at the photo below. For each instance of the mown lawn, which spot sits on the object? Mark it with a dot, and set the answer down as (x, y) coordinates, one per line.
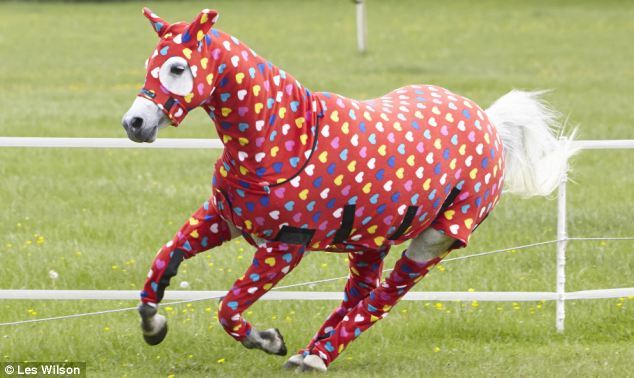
(96, 217)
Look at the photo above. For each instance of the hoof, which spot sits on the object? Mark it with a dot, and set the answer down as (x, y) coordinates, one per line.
(153, 325)
(294, 362)
(156, 338)
(312, 363)
(270, 341)
(282, 350)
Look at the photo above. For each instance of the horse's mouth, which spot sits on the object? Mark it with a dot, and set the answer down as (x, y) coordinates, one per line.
(143, 136)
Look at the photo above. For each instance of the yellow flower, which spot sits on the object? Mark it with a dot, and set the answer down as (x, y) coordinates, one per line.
(436, 349)
(516, 306)
(221, 361)
(471, 290)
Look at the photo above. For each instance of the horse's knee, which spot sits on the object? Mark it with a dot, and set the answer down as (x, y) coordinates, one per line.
(428, 245)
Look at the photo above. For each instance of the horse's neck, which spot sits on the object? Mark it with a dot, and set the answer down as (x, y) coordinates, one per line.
(262, 114)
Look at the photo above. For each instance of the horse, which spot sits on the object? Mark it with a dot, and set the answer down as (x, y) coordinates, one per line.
(317, 171)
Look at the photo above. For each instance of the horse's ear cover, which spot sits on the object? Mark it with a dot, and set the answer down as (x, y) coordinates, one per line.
(200, 26)
(159, 25)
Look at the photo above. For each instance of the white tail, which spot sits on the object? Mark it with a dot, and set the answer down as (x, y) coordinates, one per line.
(529, 129)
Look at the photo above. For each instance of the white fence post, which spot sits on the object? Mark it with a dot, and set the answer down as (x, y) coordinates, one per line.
(362, 29)
(562, 236)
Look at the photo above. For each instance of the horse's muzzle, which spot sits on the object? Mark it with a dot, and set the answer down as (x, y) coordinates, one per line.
(138, 131)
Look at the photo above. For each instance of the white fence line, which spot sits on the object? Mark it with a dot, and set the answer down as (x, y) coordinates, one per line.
(214, 143)
(561, 296)
(107, 143)
(484, 296)
(362, 26)
(562, 234)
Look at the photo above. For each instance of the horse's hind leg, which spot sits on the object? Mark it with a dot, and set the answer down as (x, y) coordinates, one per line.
(202, 231)
(365, 274)
(423, 253)
(272, 262)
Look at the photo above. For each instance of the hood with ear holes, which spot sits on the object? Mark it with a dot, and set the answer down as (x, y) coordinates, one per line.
(176, 41)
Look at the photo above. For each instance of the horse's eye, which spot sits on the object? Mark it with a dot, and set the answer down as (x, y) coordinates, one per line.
(177, 69)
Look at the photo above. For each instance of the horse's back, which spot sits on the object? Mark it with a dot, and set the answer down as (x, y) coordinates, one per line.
(402, 158)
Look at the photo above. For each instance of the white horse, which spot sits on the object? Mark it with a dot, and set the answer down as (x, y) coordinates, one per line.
(313, 171)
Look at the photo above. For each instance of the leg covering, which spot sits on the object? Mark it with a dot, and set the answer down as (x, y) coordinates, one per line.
(204, 230)
(272, 261)
(375, 306)
(365, 275)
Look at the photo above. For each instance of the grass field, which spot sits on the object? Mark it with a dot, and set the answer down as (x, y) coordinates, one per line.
(97, 216)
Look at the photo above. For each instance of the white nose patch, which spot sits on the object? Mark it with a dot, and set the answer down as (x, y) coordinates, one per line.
(147, 110)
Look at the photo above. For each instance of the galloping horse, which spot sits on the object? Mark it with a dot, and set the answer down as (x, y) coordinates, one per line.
(306, 170)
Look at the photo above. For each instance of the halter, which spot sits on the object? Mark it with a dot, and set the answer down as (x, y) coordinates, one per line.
(171, 106)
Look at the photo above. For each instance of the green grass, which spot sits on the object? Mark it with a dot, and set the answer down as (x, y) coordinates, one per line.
(97, 216)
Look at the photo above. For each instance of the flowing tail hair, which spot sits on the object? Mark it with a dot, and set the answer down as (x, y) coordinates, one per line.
(530, 130)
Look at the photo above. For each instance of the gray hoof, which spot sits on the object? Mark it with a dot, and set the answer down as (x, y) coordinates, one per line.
(153, 325)
(156, 338)
(282, 351)
(312, 363)
(270, 341)
(294, 362)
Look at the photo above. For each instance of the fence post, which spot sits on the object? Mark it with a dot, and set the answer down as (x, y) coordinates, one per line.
(362, 29)
(562, 236)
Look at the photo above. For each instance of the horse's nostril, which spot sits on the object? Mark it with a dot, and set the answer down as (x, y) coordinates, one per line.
(136, 122)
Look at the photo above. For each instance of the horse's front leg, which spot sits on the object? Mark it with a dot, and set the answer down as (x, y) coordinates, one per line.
(272, 261)
(365, 274)
(204, 230)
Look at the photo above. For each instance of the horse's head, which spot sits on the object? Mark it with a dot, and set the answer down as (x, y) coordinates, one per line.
(179, 76)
